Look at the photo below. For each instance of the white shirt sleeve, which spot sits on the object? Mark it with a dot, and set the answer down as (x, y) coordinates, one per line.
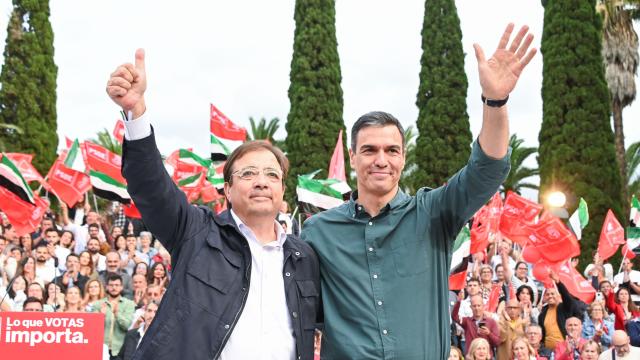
(137, 129)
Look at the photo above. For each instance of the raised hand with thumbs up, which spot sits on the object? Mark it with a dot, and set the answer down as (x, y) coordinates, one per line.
(127, 84)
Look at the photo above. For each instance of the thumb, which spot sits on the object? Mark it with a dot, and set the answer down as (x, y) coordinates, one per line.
(140, 59)
(479, 53)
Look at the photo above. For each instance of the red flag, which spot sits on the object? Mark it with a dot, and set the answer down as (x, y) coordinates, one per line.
(518, 214)
(575, 283)
(611, 236)
(485, 225)
(68, 185)
(221, 206)
(541, 272)
(29, 173)
(118, 131)
(100, 159)
(554, 241)
(223, 127)
(457, 280)
(336, 166)
(209, 192)
(24, 216)
(494, 299)
(131, 211)
(629, 254)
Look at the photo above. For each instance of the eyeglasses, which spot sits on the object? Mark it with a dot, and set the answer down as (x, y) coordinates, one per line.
(523, 268)
(250, 173)
(513, 307)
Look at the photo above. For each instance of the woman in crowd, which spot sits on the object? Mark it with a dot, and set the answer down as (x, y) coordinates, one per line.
(16, 294)
(158, 275)
(67, 240)
(146, 249)
(525, 296)
(590, 351)
(622, 307)
(87, 267)
(520, 278)
(596, 326)
(486, 281)
(93, 291)
(55, 296)
(37, 291)
(522, 350)
(455, 354)
(27, 268)
(73, 300)
(141, 268)
(479, 350)
(26, 243)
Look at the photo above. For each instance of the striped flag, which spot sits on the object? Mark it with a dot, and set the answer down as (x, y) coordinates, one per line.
(190, 181)
(12, 180)
(323, 194)
(225, 135)
(109, 188)
(461, 248)
(189, 157)
(74, 159)
(634, 216)
(633, 237)
(215, 176)
(580, 218)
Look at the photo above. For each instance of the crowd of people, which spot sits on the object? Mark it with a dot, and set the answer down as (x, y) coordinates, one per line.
(80, 261)
(505, 313)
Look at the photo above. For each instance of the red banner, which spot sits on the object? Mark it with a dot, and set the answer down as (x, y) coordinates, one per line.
(517, 214)
(42, 335)
(554, 241)
(68, 185)
(24, 216)
(29, 173)
(611, 236)
(118, 131)
(100, 159)
(575, 283)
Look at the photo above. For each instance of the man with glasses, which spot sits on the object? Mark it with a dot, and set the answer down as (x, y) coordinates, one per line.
(621, 348)
(511, 326)
(241, 288)
(534, 335)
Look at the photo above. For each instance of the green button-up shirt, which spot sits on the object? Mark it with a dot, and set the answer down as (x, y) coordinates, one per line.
(385, 278)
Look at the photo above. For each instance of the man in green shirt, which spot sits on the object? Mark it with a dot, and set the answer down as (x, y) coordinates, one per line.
(384, 255)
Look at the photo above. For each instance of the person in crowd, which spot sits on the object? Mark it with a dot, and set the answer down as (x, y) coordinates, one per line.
(511, 326)
(479, 349)
(27, 268)
(504, 251)
(72, 276)
(93, 292)
(80, 232)
(621, 306)
(26, 243)
(621, 348)
(37, 291)
(99, 260)
(560, 306)
(16, 294)
(534, 336)
(32, 304)
(158, 275)
(67, 241)
(590, 350)
(114, 233)
(54, 296)
(131, 257)
(11, 257)
(479, 325)
(113, 267)
(525, 295)
(73, 300)
(486, 281)
(142, 269)
(147, 251)
(45, 265)
(56, 250)
(570, 348)
(118, 312)
(521, 350)
(139, 288)
(599, 270)
(463, 306)
(120, 246)
(87, 266)
(132, 339)
(455, 354)
(39, 235)
(629, 279)
(597, 326)
(152, 293)
(521, 277)
(10, 235)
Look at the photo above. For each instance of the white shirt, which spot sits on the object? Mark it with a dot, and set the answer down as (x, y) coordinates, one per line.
(634, 277)
(634, 353)
(47, 272)
(264, 330)
(608, 271)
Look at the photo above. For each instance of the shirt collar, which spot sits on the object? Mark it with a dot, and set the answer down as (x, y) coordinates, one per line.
(281, 235)
(358, 210)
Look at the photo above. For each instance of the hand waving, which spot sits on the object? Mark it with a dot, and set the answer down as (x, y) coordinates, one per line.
(499, 74)
(127, 84)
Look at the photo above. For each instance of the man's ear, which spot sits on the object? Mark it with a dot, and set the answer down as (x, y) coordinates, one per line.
(227, 190)
(351, 158)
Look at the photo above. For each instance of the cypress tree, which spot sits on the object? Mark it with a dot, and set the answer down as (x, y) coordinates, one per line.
(28, 78)
(315, 116)
(577, 153)
(443, 124)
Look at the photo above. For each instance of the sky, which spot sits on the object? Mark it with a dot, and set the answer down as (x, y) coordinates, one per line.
(237, 55)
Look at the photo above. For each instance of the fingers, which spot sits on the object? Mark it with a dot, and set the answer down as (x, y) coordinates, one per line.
(479, 53)
(528, 58)
(525, 46)
(505, 37)
(126, 71)
(515, 44)
(140, 59)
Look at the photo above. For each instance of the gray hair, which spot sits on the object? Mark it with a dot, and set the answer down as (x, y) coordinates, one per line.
(374, 118)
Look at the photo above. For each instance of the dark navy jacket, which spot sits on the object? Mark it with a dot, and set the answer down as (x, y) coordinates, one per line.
(211, 264)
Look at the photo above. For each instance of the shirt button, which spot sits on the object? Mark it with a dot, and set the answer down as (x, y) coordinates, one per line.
(297, 253)
(295, 315)
(287, 274)
(370, 223)
(226, 326)
(375, 276)
(379, 302)
(385, 331)
(370, 249)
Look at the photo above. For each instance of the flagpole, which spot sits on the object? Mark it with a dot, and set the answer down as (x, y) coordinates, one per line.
(623, 257)
(293, 214)
(95, 203)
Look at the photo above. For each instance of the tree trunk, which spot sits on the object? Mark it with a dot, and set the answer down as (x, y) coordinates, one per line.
(616, 108)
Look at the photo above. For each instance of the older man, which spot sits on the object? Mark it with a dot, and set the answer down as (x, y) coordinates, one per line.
(385, 255)
(571, 347)
(479, 325)
(511, 326)
(620, 349)
(241, 288)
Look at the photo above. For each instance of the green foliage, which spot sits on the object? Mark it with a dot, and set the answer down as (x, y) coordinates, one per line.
(519, 172)
(8, 130)
(407, 180)
(28, 78)
(315, 116)
(107, 141)
(265, 131)
(443, 124)
(633, 167)
(577, 153)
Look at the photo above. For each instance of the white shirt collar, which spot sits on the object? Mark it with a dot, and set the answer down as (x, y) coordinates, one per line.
(281, 235)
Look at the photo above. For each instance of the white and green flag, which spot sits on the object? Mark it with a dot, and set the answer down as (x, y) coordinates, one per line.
(323, 194)
(633, 237)
(215, 176)
(74, 159)
(12, 180)
(461, 248)
(580, 218)
(189, 157)
(109, 188)
(190, 181)
(634, 215)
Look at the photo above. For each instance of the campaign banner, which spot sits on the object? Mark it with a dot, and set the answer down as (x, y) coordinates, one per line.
(41, 335)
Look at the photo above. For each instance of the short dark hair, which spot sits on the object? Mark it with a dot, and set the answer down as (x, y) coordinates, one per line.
(48, 230)
(94, 225)
(72, 255)
(70, 232)
(522, 288)
(31, 299)
(374, 118)
(520, 263)
(252, 146)
(473, 279)
(113, 277)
